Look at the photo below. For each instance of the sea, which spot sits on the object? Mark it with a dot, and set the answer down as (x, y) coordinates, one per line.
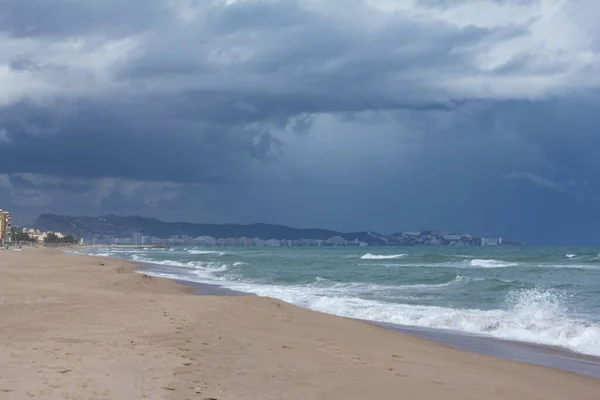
(548, 297)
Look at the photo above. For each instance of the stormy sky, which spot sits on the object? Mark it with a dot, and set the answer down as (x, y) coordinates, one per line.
(387, 115)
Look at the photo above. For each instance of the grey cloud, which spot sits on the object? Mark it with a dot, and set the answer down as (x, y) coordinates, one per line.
(305, 113)
(39, 18)
(19, 181)
(301, 124)
(22, 63)
(76, 187)
(266, 147)
(4, 139)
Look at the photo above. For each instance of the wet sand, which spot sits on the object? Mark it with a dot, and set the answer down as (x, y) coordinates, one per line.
(204, 289)
(518, 351)
(76, 327)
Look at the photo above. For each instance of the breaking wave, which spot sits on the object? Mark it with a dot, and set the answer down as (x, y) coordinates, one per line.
(533, 315)
(491, 263)
(370, 256)
(199, 252)
(426, 298)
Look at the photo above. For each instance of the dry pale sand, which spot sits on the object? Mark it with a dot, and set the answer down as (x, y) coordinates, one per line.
(74, 327)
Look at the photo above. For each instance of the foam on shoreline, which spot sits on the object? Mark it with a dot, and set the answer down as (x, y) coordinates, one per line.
(532, 353)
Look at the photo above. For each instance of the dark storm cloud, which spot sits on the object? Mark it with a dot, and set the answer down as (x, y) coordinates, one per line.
(19, 181)
(341, 114)
(75, 187)
(200, 127)
(40, 18)
(110, 141)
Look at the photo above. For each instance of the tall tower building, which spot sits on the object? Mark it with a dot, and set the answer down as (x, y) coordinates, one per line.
(136, 238)
(5, 225)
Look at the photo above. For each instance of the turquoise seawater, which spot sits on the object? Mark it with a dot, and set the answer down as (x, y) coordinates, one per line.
(548, 296)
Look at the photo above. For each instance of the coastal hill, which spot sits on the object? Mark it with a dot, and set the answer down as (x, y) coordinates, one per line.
(123, 226)
(112, 226)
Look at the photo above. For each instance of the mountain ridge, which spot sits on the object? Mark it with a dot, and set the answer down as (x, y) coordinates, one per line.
(115, 225)
(106, 227)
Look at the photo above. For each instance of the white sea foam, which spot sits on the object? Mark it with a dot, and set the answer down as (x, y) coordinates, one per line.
(239, 264)
(528, 315)
(200, 269)
(356, 288)
(491, 263)
(476, 263)
(206, 252)
(534, 316)
(90, 253)
(570, 255)
(370, 256)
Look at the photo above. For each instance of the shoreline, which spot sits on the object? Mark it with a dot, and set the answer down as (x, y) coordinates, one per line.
(525, 352)
(79, 326)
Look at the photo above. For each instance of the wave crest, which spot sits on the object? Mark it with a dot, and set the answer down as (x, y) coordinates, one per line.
(198, 252)
(534, 316)
(370, 256)
(491, 263)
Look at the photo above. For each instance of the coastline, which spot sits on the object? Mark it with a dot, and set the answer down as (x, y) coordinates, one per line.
(88, 327)
(531, 353)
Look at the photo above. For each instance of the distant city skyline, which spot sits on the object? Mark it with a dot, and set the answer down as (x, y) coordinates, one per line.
(407, 239)
(138, 231)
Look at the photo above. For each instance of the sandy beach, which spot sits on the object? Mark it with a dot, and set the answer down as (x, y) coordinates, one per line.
(77, 327)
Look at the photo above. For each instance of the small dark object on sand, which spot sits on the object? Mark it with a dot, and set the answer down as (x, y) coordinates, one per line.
(101, 264)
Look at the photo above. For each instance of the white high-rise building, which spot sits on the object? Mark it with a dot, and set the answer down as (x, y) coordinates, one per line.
(136, 238)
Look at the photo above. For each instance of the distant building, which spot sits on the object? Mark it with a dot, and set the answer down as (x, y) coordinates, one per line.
(40, 236)
(5, 225)
(206, 241)
(273, 243)
(156, 241)
(451, 237)
(136, 238)
(491, 242)
(122, 241)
